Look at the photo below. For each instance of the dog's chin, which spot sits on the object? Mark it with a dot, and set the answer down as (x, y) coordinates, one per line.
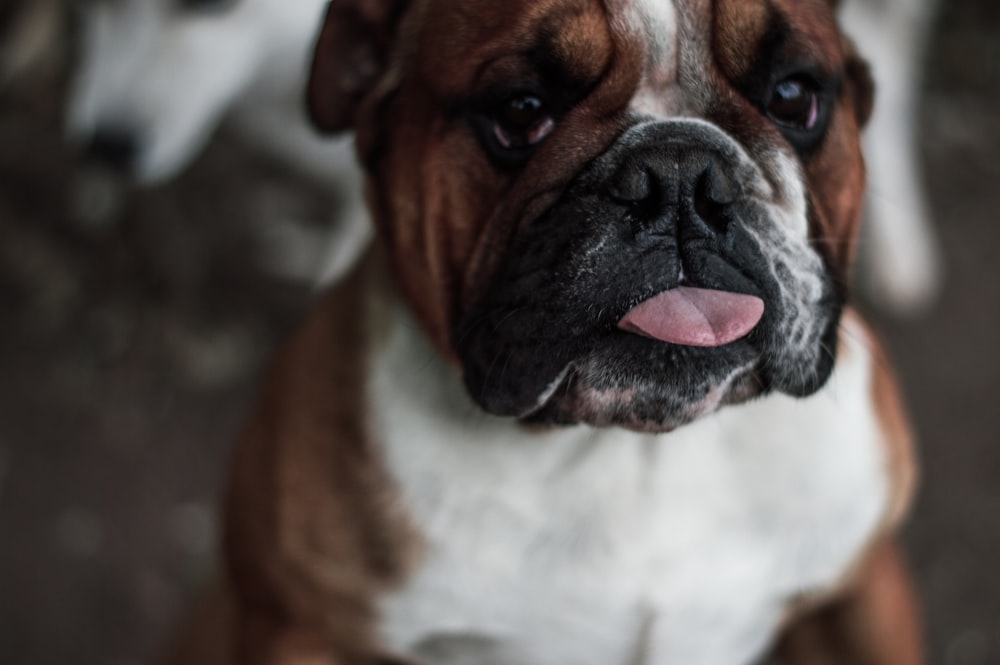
(578, 403)
(636, 383)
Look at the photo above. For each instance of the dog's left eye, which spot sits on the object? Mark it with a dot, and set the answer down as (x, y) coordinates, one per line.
(795, 104)
(522, 122)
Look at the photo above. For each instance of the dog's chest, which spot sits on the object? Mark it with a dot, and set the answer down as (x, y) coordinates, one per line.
(603, 546)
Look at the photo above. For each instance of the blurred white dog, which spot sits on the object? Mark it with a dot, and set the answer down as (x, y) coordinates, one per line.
(900, 259)
(156, 77)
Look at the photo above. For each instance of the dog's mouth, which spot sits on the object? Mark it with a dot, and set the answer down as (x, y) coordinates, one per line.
(647, 363)
(555, 345)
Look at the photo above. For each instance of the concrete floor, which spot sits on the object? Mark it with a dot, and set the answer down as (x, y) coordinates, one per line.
(128, 355)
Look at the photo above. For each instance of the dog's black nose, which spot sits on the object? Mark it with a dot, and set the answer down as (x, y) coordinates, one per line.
(665, 186)
(115, 146)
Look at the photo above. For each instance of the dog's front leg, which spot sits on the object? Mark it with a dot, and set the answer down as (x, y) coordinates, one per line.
(875, 623)
(313, 533)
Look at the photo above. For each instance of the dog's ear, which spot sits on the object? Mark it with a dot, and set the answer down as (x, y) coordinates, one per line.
(350, 55)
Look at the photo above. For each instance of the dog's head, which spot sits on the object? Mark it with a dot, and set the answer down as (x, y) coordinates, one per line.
(609, 211)
(155, 77)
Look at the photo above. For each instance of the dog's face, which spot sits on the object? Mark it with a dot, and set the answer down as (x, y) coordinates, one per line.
(155, 77)
(621, 212)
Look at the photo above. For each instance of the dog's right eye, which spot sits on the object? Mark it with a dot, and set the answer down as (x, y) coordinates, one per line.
(522, 122)
(514, 127)
(794, 104)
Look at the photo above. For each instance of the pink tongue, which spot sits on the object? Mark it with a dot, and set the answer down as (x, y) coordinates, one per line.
(695, 317)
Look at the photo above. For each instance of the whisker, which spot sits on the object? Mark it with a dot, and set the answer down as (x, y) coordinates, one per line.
(489, 372)
(503, 370)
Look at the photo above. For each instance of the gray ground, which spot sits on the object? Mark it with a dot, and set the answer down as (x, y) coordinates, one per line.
(128, 356)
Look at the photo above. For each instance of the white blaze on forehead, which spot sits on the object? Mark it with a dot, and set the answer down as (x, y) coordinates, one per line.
(657, 21)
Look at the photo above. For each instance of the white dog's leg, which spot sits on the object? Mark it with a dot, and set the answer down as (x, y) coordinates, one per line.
(900, 264)
(295, 251)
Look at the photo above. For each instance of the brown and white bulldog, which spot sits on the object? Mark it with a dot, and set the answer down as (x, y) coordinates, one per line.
(595, 399)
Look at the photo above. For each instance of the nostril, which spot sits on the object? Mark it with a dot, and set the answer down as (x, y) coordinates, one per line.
(636, 188)
(719, 187)
(631, 184)
(714, 193)
(114, 146)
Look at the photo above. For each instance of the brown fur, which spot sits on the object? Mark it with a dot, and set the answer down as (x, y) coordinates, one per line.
(872, 621)
(313, 531)
(836, 191)
(475, 210)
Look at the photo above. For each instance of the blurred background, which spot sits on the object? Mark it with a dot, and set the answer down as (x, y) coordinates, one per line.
(135, 322)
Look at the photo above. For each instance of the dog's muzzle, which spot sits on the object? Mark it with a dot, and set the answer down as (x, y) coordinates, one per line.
(658, 287)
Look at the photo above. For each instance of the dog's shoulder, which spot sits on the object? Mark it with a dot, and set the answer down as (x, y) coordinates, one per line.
(311, 528)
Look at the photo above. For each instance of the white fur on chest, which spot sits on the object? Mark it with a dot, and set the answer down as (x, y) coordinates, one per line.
(609, 547)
